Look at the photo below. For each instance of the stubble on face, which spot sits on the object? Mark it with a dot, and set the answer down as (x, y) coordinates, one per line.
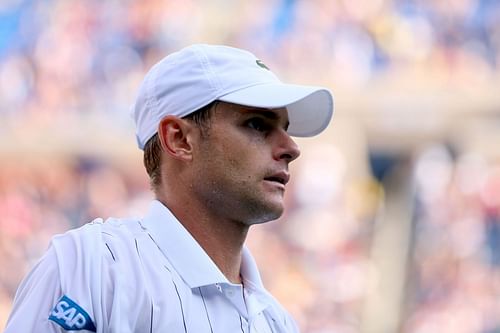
(230, 171)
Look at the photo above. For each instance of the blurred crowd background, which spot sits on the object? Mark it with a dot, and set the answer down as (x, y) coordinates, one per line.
(393, 214)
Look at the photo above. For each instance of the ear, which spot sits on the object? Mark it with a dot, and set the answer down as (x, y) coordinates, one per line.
(174, 134)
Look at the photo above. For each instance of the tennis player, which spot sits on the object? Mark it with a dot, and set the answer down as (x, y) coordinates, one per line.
(216, 128)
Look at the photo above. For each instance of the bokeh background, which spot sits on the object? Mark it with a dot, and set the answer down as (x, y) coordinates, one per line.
(392, 220)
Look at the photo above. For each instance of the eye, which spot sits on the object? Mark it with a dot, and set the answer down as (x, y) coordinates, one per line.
(258, 124)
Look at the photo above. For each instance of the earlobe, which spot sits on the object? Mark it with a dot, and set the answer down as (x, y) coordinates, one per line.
(173, 133)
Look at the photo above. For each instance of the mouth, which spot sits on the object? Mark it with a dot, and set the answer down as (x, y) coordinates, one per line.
(281, 178)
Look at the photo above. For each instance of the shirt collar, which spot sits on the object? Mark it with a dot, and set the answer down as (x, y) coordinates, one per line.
(256, 296)
(250, 272)
(189, 259)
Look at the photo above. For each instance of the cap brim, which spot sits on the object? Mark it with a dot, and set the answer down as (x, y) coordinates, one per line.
(310, 108)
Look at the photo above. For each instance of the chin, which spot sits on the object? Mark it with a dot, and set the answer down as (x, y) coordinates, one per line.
(264, 214)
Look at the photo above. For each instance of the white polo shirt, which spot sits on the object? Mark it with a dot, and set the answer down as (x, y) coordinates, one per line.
(141, 276)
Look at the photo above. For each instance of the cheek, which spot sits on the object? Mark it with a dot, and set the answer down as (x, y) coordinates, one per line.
(236, 156)
(234, 163)
(244, 159)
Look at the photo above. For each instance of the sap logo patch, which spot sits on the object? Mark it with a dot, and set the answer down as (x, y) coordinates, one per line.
(71, 316)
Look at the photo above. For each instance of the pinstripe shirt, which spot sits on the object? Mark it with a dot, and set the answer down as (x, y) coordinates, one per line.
(141, 275)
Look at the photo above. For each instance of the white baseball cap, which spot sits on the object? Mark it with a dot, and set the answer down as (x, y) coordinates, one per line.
(187, 80)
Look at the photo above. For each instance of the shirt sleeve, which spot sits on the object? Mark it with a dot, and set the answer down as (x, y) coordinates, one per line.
(36, 297)
(87, 281)
(62, 291)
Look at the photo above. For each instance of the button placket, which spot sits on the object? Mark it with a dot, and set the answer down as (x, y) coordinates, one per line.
(229, 292)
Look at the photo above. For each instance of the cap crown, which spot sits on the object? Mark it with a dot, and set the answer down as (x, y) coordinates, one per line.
(191, 78)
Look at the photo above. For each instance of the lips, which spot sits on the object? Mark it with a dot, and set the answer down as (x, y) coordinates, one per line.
(281, 177)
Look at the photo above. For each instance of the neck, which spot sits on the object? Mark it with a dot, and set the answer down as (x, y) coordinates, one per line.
(220, 238)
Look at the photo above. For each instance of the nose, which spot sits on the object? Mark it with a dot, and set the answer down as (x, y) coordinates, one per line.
(286, 149)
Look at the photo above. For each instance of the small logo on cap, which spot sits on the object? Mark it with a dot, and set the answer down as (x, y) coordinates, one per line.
(261, 64)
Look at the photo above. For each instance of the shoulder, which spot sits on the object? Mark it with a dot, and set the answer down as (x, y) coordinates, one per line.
(92, 241)
(99, 266)
(101, 274)
(95, 255)
(73, 284)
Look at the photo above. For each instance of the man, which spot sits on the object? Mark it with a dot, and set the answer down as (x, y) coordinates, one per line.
(214, 123)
